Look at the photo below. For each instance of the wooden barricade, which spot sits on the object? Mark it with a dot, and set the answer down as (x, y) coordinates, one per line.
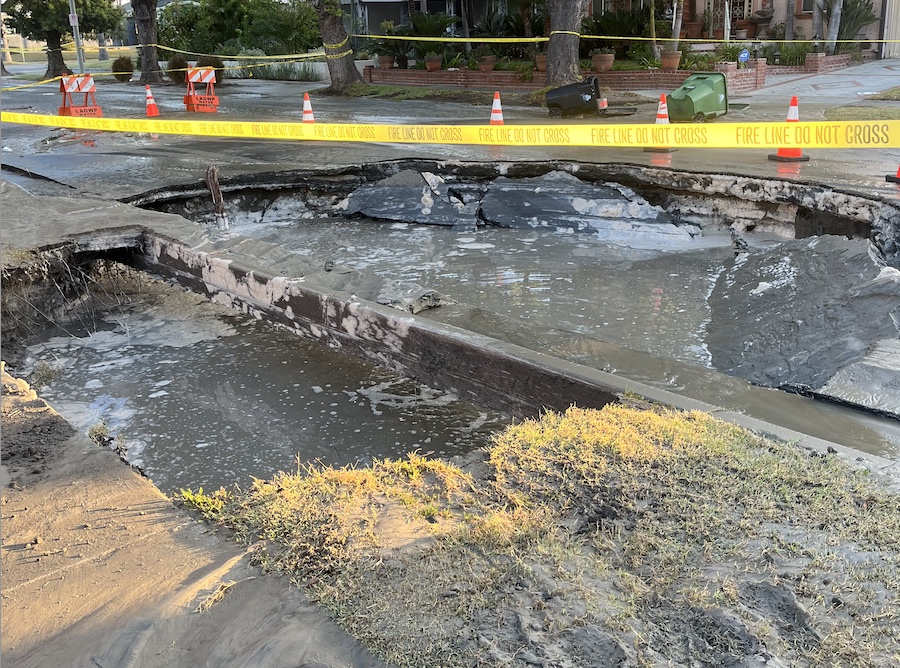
(201, 102)
(78, 85)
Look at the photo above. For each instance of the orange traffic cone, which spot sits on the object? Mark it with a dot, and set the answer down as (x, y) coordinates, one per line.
(496, 111)
(307, 110)
(602, 105)
(893, 179)
(662, 118)
(790, 154)
(152, 109)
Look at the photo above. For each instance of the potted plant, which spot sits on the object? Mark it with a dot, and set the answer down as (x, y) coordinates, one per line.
(746, 25)
(602, 58)
(433, 60)
(385, 60)
(693, 26)
(540, 61)
(669, 60)
(392, 51)
(485, 58)
(706, 20)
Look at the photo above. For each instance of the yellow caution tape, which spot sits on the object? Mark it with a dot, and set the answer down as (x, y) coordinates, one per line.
(479, 39)
(236, 57)
(31, 85)
(837, 134)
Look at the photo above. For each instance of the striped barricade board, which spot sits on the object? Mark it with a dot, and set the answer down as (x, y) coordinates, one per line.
(194, 101)
(81, 84)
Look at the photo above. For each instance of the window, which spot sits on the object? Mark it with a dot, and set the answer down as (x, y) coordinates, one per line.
(806, 6)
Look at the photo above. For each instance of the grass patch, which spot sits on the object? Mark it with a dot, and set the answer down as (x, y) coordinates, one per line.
(534, 98)
(650, 536)
(401, 93)
(863, 114)
(889, 94)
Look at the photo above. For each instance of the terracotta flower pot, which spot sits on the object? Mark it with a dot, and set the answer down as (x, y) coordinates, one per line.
(433, 63)
(603, 62)
(669, 60)
(385, 62)
(540, 62)
(694, 28)
(487, 63)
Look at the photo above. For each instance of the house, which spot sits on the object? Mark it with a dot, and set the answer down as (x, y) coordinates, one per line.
(370, 14)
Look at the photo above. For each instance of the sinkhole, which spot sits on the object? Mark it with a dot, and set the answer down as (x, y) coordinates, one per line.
(466, 295)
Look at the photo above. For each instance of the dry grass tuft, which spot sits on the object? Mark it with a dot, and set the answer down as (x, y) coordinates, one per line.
(618, 536)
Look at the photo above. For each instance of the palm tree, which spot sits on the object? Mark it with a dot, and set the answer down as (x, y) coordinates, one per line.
(789, 23)
(676, 28)
(834, 24)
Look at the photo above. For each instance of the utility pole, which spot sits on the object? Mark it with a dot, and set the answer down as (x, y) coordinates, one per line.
(73, 21)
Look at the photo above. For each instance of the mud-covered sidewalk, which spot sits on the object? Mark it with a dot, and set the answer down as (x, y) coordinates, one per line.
(100, 569)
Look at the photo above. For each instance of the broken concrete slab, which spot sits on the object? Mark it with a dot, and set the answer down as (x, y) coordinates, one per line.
(408, 197)
(834, 321)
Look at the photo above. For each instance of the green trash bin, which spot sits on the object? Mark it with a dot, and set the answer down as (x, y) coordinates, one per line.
(702, 96)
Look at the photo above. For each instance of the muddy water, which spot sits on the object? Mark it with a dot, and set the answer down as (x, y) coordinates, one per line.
(198, 396)
(639, 312)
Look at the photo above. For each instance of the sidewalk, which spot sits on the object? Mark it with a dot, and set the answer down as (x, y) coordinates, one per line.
(817, 92)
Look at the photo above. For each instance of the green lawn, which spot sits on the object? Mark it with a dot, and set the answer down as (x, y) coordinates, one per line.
(863, 114)
(889, 94)
(40, 56)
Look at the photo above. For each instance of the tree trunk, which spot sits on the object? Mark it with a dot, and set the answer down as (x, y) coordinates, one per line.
(818, 28)
(145, 21)
(56, 66)
(412, 7)
(562, 50)
(465, 25)
(527, 15)
(338, 53)
(654, 47)
(5, 72)
(470, 12)
(834, 25)
(789, 22)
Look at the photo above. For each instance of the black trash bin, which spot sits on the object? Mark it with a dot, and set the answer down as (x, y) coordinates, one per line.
(574, 99)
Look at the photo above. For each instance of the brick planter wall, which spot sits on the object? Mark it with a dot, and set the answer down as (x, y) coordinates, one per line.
(457, 78)
(738, 80)
(643, 79)
(814, 63)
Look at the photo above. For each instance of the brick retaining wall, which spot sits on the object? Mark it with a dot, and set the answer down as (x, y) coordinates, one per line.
(815, 63)
(739, 80)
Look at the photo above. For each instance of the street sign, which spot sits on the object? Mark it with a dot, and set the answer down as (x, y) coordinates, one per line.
(73, 20)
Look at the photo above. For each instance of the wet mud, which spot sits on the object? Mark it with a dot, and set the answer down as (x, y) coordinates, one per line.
(663, 287)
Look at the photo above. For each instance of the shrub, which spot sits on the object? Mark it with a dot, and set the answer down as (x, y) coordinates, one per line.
(791, 53)
(697, 61)
(729, 52)
(123, 68)
(176, 68)
(214, 62)
(250, 62)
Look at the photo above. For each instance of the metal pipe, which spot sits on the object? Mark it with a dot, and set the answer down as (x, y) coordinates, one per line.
(73, 21)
